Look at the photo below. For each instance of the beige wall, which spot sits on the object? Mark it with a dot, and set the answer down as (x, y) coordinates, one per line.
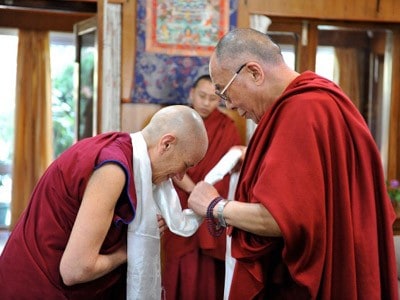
(134, 116)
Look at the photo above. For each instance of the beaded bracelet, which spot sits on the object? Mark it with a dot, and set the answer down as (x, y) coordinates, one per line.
(213, 226)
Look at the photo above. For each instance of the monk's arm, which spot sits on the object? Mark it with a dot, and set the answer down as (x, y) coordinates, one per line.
(81, 260)
(185, 184)
(251, 217)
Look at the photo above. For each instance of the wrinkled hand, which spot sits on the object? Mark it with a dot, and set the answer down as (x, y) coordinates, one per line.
(238, 166)
(162, 226)
(201, 197)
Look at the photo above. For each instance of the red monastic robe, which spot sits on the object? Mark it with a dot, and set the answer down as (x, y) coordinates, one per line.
(29, 264)
(314, 165)
(193, 267)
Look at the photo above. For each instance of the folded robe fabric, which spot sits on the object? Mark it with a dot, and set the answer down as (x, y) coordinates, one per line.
(314, 165)
(144, 273)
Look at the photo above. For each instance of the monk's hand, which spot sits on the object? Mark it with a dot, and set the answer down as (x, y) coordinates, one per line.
(201, 197)
(162, 226)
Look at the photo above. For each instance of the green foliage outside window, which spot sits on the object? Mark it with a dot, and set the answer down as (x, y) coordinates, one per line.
(63, 110)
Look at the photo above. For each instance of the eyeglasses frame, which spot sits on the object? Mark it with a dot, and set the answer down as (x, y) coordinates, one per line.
(222, 93)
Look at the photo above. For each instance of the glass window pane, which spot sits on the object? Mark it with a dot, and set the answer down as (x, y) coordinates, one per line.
(8, 62)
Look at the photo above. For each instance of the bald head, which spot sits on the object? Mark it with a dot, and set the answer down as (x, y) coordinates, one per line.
(181, 120)
(176, 140)
(246, 44)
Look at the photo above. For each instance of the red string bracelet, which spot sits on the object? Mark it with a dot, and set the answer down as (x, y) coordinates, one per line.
(213, 226)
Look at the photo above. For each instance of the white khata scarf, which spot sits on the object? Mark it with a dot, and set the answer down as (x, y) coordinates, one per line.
(143, 245)
(225, 165)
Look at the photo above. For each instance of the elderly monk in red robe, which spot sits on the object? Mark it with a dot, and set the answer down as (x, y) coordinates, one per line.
(193, 267)
(70, 243)
(312, 218)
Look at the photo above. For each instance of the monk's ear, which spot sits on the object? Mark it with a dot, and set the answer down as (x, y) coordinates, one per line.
(256, 72)
(166, 141)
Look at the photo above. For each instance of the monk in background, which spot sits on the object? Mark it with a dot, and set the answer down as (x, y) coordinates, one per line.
(193, 267)
(312, 218)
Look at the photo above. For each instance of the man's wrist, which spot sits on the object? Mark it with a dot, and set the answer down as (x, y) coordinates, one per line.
(220, 212)
(214, 227)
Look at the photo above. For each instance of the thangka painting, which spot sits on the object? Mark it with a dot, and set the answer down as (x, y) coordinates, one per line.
(189, 28)
(175, 39)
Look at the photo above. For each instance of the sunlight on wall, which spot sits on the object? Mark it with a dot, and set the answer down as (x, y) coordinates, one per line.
(325, 60)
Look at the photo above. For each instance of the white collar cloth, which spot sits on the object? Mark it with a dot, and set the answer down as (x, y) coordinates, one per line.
(143, 241)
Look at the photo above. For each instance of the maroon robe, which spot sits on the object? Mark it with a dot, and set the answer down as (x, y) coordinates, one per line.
(29, 264)
(314, 165)
(194, 266)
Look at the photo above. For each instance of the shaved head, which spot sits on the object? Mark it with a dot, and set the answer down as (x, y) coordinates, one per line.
(261, 72)
(176, 140)
(181, 120)
(246, 44)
